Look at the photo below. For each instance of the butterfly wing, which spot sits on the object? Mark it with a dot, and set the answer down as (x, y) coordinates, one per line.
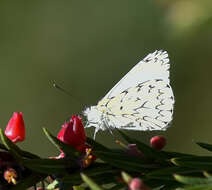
(143, 98)
(154, 66)
(147, 106)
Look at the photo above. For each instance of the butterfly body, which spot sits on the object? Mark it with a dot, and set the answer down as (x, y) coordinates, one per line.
(141, 100)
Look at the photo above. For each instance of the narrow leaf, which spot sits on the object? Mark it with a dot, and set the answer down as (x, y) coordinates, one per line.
(126, 177)
(67, 149)
(49, 166)
(205, 146)
(53, 185)
(198, 162)
(197, 187)
(90, 182)
(206, 174)
(192, 180)
(3, 147)
(94, 171)
(78, 187)
(125, 162)
(118, 186)
(95, 145)
(145, 149)
(170, 155)
(29, 181)
(170, 170)
(12, 148)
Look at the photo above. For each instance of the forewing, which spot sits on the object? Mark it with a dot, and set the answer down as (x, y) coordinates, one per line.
(147, 106)
(153, 66)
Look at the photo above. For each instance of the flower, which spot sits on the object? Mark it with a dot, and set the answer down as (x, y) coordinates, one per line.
(15, 129)
(158, 142)
(73, 132)
(88, 157)
(137, 184)
(10, 175)
(132, 150)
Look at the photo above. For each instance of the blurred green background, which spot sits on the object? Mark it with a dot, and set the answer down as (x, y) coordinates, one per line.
(87, 46)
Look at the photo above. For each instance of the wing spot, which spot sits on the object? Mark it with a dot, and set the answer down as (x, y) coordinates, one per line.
(137, 99)
(125, 92)
(142, 106)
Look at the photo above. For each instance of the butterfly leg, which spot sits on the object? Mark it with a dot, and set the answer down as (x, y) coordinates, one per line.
(95, 132)
(108, 126)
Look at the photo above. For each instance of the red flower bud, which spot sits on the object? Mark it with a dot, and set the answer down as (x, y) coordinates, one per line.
(73, 132)
(158, 142)
(137, 184)
(15, 129)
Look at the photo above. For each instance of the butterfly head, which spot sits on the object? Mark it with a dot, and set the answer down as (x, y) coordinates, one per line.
(94, 118)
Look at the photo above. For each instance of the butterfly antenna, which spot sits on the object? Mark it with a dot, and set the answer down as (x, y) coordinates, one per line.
(68, 93)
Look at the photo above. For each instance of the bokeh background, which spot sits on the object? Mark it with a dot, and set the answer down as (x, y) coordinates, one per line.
(87, 46)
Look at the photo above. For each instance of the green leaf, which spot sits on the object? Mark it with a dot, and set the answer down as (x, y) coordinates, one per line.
(167, 184)
(125, 162)
(198, 187)
(90, 182)
(198, 162)
(13, 148)
(205, 146)
(96, 170)
(170, 155)
(118, 186)
(3, 147)
(158, 174)
(53, 185)
(206, 174)
(78, 187)
(192, 180)
(49, 166)
(158, 188)
(95, 145)
(29, 181)
(145, 149)
(67, 149)
(126, 177)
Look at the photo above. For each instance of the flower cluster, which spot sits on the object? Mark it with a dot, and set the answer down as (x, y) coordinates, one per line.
(71, 133)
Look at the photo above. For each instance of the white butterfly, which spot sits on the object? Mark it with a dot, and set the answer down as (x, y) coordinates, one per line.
(142, 100)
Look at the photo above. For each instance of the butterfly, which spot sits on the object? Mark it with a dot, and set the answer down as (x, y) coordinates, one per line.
(142, 100)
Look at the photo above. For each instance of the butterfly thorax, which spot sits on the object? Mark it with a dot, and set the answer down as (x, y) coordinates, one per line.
(96, 118)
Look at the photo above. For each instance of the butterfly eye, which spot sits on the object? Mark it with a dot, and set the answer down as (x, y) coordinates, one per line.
(121, 107)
